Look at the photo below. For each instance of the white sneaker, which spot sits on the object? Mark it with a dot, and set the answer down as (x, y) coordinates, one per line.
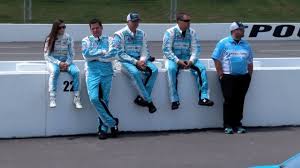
(52, 103)
(77, 102)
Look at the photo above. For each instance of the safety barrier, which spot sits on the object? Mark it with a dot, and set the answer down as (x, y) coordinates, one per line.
(155, 32)
(272, 100)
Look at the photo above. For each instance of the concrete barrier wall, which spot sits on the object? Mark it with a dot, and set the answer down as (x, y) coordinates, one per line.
(272, 100)
(23, 110)
(207, 31)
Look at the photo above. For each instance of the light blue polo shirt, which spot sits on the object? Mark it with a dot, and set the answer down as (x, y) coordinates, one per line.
(234, 56)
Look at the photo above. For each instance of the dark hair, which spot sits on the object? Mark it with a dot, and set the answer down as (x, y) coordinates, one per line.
(93, 21)
(53, 34)
(179, 16)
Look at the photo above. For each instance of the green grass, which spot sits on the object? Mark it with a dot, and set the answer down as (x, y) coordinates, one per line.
(152, 11)
(245, 10)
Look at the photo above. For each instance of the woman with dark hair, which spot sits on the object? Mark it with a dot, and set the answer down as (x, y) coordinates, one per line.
(59, 52)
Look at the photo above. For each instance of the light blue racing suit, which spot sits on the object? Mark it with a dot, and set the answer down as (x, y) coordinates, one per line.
(99, 74)
(63, 52)
(131, 48)
(177, 46)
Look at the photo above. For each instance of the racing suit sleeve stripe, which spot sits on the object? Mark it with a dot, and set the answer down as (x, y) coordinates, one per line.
(47, 54)
(87, 51)
(110, 55)
(145, 51)
(167, 47)
(195, 47)
(71, 51)
(118, 45)
(90, 54)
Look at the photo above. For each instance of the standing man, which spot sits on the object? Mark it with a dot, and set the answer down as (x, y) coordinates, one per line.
(234, 64)
(99, 72)
(181, 47)
(131, 45)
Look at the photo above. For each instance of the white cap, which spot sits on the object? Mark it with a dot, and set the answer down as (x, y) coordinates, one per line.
(237, 25)
(133, 16)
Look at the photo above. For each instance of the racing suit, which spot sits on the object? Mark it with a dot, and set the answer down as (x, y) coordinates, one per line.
(99, 74)
(178, 45)
(63, 52)
(131, 48)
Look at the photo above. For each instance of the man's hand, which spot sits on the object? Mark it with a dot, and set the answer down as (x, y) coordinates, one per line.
(63, 66)
(189, 64)
(66, 67)
(182, 64)
(250, 69)
(219, 69)
(103, 52)
(141, 64)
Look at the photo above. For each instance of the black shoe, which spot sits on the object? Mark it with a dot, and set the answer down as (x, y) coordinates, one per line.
(151, 107)
(175, 105)
(140, 101)
(205, 102)
(151, 59)
(115, 130)
(102, 135)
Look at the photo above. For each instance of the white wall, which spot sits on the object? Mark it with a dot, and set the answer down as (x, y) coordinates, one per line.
(207, 31)
(272, 100)
(22, 102)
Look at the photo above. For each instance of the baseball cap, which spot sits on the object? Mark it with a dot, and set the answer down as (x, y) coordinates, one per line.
(133, 16)
(237, 25)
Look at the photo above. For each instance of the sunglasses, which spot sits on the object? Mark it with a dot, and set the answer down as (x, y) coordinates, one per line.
(186, 20)
(61, 27)
(135, 21)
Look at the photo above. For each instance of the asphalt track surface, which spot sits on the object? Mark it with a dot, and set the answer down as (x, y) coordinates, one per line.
(188, 149)
(184, 149)
(25, 51)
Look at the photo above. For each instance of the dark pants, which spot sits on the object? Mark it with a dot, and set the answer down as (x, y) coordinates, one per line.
(234, 88)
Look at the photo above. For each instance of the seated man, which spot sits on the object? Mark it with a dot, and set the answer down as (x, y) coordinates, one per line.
(131, 46)
(181, 47)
